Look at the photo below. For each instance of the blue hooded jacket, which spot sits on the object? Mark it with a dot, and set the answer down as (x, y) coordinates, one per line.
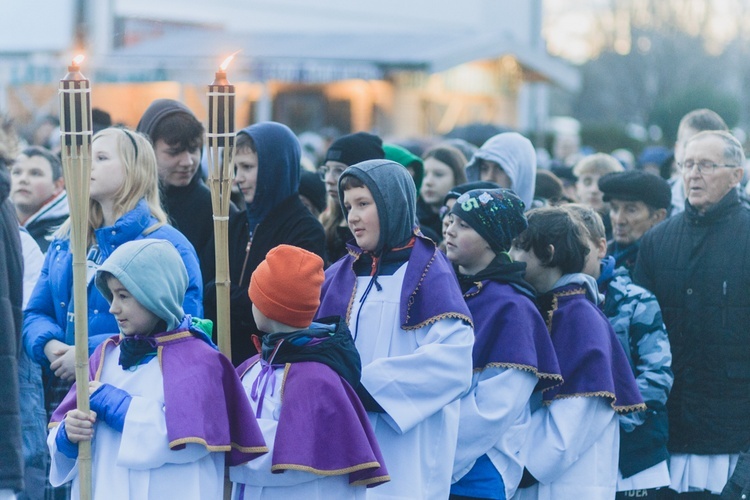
(278, 168)
(46, 315)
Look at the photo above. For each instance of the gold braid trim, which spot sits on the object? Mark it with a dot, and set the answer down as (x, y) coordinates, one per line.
(575, 291)
(540, 375)
(602, 394)
(224, 447)
(479, 286)
(283, 381)
(354, 289)
(353, 253)
(372, 480)
(174, 336)
(250, 449)
(337, 472)
(410, 302)
(437, 318)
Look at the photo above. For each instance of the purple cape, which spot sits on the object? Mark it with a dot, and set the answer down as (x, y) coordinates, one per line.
(323, 427)
(591, 358)
(429, 293)
(509, 332)
(204, 401)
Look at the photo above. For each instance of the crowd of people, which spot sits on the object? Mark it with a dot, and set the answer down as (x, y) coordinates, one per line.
(408, 320)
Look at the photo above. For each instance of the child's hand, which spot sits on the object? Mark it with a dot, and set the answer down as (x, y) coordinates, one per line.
(79, 426)
(65, 364)
(93, 386)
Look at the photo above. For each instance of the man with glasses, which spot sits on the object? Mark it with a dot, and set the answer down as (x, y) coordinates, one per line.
(697, 263)
(695, 121)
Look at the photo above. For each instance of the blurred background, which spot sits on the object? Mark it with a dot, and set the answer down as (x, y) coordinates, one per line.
(595, 75)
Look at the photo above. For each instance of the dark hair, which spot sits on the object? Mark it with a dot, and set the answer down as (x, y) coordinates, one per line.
(557, 227)
(548, 186)
(590, 219)
(349, 182)
(180, 130)
(53, 160)
(244, 141)
(453, 157)
(703, 119)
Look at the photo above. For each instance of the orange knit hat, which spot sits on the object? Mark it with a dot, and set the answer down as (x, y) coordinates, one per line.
(285, 287)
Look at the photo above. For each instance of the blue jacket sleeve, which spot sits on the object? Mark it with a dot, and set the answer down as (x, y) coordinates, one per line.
(40, 321)
(193, 303)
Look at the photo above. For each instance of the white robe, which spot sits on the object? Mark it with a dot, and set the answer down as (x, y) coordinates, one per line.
(137, 463)
(260, 483)
(573, 448)
(495, 417)
(701, 472)
(417, 376)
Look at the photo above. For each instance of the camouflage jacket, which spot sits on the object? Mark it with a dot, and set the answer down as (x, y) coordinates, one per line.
(636, 318)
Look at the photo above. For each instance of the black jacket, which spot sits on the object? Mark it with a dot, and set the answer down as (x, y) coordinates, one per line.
(189, 210)
(291, 223)
(11, 296)
(698, 266)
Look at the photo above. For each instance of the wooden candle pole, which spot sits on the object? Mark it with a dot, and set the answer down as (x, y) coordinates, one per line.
(76, 131)
(221, 138)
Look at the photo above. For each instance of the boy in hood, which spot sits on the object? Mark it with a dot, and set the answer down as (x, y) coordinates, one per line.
(572, 445)
(513, 354)
(267, 165)
(507, 159)
(167, 408)
(322, 443)
(410, 325)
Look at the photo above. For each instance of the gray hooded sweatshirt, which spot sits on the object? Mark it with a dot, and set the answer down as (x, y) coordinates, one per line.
(153, 272)
(516, 156)
(395, 197)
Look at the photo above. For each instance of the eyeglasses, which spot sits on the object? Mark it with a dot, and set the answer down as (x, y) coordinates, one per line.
(704, 166)
(335, 172)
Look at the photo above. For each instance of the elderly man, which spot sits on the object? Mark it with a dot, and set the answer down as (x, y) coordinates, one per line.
(696, 121)
(697, 265)
(638, 201)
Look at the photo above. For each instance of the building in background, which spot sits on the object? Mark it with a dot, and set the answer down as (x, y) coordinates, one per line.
(402, 69)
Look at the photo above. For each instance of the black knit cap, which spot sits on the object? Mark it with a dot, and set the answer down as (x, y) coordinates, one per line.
(313, 188)
(157, 111)
(636, 185)
(354, 148)
(468, 186)
(496, 214)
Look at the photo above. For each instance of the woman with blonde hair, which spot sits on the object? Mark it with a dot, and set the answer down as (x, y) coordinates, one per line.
(123, 206)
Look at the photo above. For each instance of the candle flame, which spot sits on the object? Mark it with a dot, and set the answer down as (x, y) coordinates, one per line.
(226, 62)
(77, 60)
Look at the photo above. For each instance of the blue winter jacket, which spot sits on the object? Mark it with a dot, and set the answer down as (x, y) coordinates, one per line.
(47, 313)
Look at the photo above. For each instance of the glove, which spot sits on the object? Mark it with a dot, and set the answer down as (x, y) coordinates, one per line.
(65, 445)
(111, 405)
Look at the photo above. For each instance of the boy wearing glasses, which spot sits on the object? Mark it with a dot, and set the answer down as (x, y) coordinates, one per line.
(697, 263)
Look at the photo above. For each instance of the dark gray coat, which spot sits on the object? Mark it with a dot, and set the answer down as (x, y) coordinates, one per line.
(11, 297)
